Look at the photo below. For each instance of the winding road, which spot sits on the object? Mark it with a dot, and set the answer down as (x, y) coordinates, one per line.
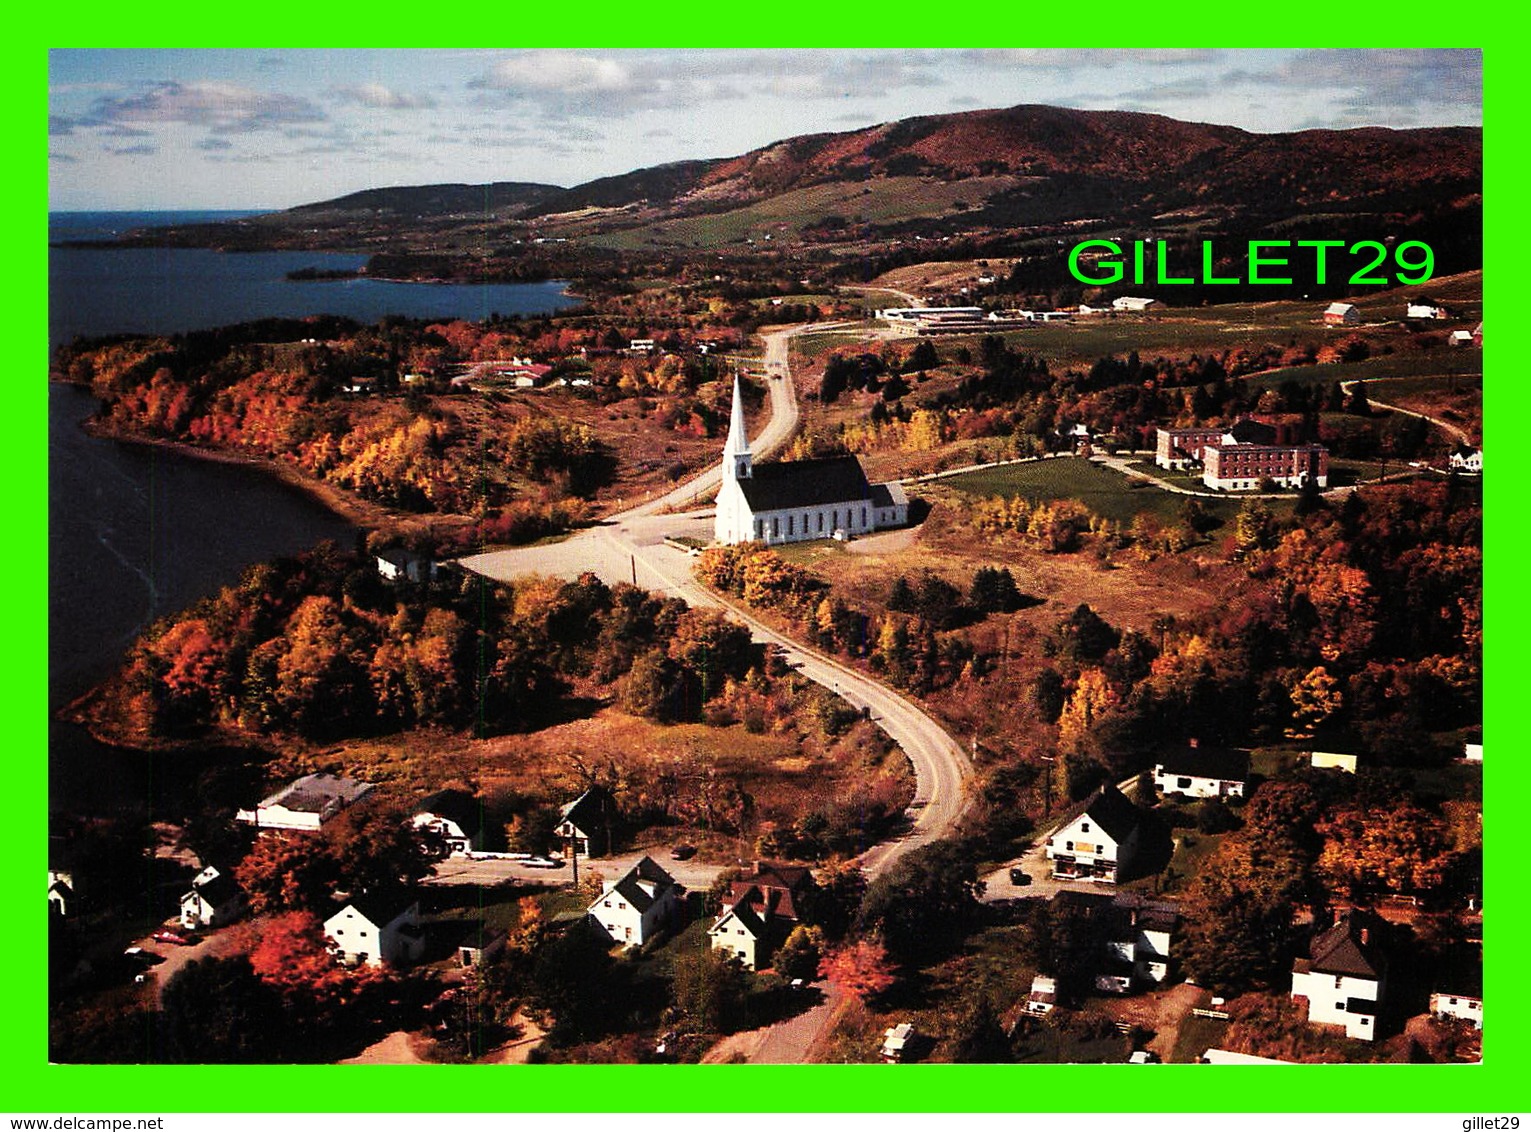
(631, 547)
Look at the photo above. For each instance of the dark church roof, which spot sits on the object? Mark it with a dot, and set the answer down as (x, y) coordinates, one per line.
(806, 483)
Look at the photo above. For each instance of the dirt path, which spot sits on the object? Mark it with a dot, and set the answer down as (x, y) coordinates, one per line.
(398, 1048)
(1163, 1012)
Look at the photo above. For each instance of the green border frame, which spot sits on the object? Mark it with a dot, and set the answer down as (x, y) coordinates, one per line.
(32, 1085)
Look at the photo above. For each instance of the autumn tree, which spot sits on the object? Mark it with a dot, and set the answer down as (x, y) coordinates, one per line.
(1401, 849)
(376, 848)
(861, 968)
(1315, 697)
(290, 956)
(1238, 919)
(287, 873)
(798, 956)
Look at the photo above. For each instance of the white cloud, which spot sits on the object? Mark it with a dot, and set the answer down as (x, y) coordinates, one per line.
(222, 107)
(376, 96)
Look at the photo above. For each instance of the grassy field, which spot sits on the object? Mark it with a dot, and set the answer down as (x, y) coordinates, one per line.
(1439, 364)
(881, 201)
(1103, 491)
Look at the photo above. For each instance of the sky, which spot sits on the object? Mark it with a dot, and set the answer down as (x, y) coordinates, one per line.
(151, 129)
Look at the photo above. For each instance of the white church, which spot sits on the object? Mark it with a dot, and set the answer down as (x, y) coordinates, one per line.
(799, 499)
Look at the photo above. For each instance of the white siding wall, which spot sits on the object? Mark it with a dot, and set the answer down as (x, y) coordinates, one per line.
(1327, 996)
(1084, 841)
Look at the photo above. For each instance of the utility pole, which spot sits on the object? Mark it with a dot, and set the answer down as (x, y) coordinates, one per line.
(633, 558)
(1047, 795)
(574, 856)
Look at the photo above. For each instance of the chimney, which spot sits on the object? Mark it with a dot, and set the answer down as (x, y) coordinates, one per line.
(1195, 741)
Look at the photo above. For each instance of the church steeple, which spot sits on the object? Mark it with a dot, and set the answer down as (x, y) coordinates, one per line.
(737, 460)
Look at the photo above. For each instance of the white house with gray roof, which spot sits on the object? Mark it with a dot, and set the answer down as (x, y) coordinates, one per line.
(306, 804)
(1099, 842)
(638, 905)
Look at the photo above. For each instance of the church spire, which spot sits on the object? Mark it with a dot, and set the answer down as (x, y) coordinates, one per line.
(736, 452)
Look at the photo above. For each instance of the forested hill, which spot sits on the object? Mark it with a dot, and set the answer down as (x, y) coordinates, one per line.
(1001, 181)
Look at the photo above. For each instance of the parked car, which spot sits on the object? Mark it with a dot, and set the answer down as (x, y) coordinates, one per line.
(683, 852)
(171, 935)
(1017, 877)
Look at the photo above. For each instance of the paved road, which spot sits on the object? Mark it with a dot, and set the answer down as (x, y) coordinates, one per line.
(631, 547)
(1454, 431)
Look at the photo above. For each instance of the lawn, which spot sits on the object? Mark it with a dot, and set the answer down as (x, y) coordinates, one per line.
(1196, 1037)
(1106, 493)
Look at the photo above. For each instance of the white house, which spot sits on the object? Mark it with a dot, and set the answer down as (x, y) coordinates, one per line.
(1426, 310)
(307, 803)
(633, 910)
(453, 816)
(800, 499)
(1099, 843)
(1043, 998)
(1128, 935)
(1466, 458)
(1344, 978)
(213, 900)
(1467, 1007)
(586, 823)
(1322, 759)
(759, 912)
(400, 565)
(370, 931)
(1137, 943)
(1132, 305)
(480, 946)
(1460, 338)
(1341, 314)
(61, 898)
(1472, 752)
(1203, 772)
(1229, 1057)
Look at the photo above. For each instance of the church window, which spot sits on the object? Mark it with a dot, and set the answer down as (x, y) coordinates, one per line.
(863, 516)
(759, 529)
(821, 522)
(791, 525)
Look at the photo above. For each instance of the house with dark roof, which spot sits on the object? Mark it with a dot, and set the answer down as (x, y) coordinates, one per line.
(641, 903)
(1466, 458)
(401, 565)
(61, 898)
(1203, 772)
(800, 499)
(588, 823)
(1345, 974)
(1100, 841)
(212, 901)
(454, 816)
(760, 911)
(307, 803)
(1129, 935)
(371, 930)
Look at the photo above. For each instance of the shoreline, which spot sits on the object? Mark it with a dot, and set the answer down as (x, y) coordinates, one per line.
(346, 505)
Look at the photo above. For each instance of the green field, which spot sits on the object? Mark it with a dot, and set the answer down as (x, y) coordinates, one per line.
(880, 201)
(1434, 364)
(1103, 491)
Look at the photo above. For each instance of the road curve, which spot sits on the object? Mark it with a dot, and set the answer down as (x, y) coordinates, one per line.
(630, 547)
